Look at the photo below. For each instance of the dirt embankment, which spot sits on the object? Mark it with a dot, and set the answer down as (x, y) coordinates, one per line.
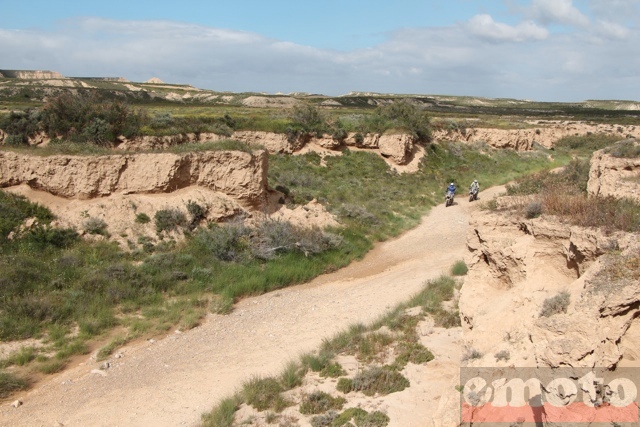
(544, 133)
(614, 176)
(518, 266)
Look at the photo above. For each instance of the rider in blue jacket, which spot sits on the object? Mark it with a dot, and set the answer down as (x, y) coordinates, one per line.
(451, 188)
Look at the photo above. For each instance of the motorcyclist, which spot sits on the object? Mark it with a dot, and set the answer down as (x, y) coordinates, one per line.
(451, 189)
(475, 187)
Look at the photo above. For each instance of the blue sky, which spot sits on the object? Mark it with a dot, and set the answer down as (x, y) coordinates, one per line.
(546, 50)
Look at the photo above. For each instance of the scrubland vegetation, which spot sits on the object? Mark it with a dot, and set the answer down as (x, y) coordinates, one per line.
(564, 193)
(370, 346)
(71, 294)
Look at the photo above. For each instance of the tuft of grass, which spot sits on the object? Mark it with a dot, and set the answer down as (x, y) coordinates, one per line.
(10, 383)
(21, 357)
(264, 393)
(292, 375)
(332, 370)
(51, 366)
(108, 349)
(413, 352)
(556, 304)
(222, 415)
(459, 268)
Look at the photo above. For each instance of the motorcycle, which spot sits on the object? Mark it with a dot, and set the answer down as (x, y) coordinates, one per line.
(473, 195)
(448, 200)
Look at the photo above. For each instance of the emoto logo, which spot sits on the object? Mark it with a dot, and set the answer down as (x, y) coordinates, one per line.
(561, 395)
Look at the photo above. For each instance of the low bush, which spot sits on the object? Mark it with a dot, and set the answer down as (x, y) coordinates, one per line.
(627, 149)
(533, 210)
(264, 393)
(142, 218)
(169, 220)
(379, 380)
(556, 304)
(413, 352)
(94, 225)
(319, 402)
(459, 268)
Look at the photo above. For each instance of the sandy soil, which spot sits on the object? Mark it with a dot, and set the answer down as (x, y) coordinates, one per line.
(172, 381)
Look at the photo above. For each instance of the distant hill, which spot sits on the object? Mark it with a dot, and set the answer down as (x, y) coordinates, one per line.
(30, 74)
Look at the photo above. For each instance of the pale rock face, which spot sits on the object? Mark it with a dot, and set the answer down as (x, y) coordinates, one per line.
(614, 176)
(516, 264)
(397, 147)
(546, 134)
(240, 175)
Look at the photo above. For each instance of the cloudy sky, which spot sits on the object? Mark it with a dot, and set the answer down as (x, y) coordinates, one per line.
(545, 50)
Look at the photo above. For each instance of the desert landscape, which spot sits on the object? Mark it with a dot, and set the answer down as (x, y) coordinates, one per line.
(200, 269)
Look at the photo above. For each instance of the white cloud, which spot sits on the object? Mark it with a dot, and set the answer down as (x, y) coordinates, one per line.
(478, 58)
(484, 26)
(557, 12)
(612, 30)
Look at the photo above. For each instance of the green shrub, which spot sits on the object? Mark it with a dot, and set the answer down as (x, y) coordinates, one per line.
(413, 352)
(197, 213)
(533, 210)
(379, 380)
(263, 394)
(459, 268)
(332, 370)
(94, 225)
(345, 385)
(555, 305)
(628, 149)
(319, 402)
(142, 218)
(169, 220)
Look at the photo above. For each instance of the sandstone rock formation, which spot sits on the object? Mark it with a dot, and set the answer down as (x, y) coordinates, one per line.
(518, 265)
(31, 74)
(544, 133)
(240, 175)
(614, 176)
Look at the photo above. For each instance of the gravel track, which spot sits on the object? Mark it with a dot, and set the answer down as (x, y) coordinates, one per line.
(172, 381)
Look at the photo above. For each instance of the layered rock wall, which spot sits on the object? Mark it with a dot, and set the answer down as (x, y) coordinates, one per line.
(241, 175)
(618, 177)
(546, 134)
(518, 266)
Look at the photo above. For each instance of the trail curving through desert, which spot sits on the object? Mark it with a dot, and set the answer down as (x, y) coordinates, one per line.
(172, 381)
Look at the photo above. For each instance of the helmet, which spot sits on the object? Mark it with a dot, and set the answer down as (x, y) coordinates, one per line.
(475, 181)
(451, 183)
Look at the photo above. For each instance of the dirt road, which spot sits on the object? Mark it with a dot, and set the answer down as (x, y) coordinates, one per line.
(172, 381)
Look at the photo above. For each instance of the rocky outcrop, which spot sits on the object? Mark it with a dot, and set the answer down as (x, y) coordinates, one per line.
(517, 267)
(541, 133)
(31, 74)
(240, 175)
(398, 147)
(614, 176)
